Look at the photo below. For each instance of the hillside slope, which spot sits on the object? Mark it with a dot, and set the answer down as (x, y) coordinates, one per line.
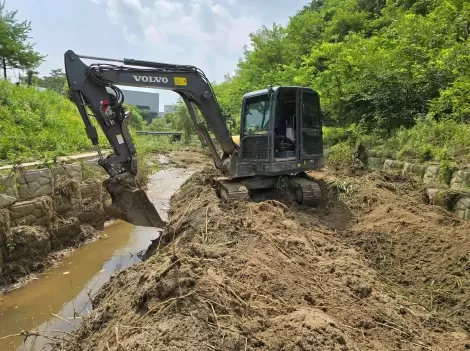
(35, 125)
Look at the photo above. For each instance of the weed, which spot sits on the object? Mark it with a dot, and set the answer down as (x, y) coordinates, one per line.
(38, 125)
(428, 140)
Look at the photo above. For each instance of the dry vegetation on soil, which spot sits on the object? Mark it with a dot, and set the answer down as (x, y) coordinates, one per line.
(371, 269)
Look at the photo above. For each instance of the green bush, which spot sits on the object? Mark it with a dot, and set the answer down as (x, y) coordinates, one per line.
(433, 140)
(352, 136)
(340, 153)
(335, 135)
(35, 125)
(137, 122)
(427, 140)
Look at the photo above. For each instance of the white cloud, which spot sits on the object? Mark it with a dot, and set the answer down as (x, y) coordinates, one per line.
(205, 33)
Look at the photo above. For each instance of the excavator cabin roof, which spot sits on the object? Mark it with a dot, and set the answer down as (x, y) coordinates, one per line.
(275, 88)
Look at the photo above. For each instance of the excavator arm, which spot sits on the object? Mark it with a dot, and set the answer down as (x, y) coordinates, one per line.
(94, 88)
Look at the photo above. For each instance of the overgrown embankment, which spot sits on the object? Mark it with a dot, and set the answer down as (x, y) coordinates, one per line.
(428, 141)
(36, 125)
(372, 268)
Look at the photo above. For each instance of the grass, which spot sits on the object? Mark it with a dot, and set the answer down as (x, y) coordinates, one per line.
(148, 145)
(428, 141)
(36, 125)
(155, 144)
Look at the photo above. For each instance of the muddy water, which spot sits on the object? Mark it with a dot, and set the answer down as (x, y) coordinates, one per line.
(64, 290)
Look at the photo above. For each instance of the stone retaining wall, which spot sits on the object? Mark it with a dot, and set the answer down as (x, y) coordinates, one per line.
(47, 209)
(445, 186)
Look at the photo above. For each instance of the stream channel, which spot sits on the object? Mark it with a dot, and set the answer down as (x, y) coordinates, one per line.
(54, 303)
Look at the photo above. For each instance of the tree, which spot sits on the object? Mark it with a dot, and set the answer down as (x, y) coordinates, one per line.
(159, 124)
(35, 80)
(56, 81)
(180, 120)
(15, 51)
(381, 65)
(136, 121)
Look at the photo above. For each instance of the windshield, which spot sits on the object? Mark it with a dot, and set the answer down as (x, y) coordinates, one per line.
(257, 115)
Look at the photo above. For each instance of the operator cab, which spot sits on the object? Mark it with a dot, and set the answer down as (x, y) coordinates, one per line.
(281, 124)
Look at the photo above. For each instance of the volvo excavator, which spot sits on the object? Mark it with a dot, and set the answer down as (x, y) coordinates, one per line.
(280, 136)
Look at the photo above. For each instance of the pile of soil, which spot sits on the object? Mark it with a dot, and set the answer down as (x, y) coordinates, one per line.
(421, 251)
(352, 274)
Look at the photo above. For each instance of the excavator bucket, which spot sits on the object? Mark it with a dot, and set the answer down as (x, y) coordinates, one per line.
(131, 203)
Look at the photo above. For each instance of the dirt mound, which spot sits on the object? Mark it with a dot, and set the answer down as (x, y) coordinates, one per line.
(422, 251)
(261, 275)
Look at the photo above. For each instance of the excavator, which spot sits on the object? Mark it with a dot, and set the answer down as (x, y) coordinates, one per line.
(280, 136)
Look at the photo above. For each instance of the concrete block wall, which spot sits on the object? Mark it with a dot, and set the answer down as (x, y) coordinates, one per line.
(34, 183)
(439, 181)
(46, 209)
(8, 190)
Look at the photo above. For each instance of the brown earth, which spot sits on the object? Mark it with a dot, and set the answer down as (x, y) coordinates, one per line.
(373, 268)
(188, 158)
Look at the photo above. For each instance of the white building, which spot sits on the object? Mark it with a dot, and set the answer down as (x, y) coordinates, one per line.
(169, 108)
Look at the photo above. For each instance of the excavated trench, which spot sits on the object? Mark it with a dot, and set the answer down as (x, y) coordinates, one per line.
(54, 303)
(371, 268)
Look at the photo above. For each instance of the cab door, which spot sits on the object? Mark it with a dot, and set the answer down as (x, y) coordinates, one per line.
(309, 125)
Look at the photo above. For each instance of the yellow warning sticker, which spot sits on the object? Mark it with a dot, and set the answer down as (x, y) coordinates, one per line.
(180, 81)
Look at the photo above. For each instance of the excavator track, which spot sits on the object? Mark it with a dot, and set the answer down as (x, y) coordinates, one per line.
(232, 191)
(306, 191)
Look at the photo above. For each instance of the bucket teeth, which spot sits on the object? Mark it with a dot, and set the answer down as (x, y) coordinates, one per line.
(131, 203)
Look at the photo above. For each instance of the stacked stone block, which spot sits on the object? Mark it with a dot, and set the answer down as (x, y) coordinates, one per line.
(8, 190)
(43, 210)
(34, 183)
(460, 179)
(414, 170)
(393, 166)
(456, 184)
(432, 174)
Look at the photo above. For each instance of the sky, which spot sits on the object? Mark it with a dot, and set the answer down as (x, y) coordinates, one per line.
(209, 34)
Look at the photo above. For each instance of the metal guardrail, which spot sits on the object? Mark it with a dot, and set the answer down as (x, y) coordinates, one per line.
(174, 136)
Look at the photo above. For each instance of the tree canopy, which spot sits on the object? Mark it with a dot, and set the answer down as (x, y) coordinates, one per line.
(56, 81)
(376, 63)
(15, 50)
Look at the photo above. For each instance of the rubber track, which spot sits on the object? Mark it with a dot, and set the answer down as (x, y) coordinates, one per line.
(236, 191)
(312, 194)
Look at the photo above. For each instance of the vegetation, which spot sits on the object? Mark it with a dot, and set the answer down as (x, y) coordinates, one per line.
(35, 124)
(427, 140)
(55, 81)
(15, 51)
(392, 74)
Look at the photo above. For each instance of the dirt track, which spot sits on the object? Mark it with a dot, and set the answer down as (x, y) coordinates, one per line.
(373, 268)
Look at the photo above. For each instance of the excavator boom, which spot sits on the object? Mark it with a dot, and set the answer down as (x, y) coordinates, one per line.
(94, 88)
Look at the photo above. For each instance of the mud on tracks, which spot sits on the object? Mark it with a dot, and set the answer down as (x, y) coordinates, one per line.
(273, 275)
